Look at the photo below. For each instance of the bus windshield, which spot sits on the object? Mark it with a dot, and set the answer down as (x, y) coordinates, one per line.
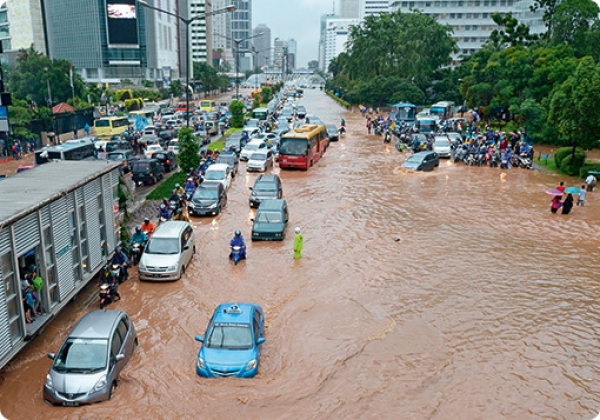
(406, 113)
(293, 147)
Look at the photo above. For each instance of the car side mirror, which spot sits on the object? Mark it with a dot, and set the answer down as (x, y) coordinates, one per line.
(51, 356)
(199, 338)
(260, 340)
(252, 220)
(185, 248)
(119, 357)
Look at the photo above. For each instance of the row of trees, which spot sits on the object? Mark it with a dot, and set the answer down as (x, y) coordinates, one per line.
(38, 82)
(548, 82)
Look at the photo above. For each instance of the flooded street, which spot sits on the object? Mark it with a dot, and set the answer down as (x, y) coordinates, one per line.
(454, 294)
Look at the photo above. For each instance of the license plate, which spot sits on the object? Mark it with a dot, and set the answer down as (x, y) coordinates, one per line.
(156, 275)
(70, 404)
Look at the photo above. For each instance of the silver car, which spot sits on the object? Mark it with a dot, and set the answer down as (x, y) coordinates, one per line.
(168, 251)
(87, 366)
(441, 145)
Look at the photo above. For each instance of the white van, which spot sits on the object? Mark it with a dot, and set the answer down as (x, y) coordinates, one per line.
(168, 252)
(219, 172)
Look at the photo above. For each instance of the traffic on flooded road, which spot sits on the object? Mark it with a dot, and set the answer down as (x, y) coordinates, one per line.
(453, 293)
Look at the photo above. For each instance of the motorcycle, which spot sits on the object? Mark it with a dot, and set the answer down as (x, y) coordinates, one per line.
(105, 295)
(236, 254)
(525, 161)
(388, 137)
(495, 161)
(342, 131)
(136, 253)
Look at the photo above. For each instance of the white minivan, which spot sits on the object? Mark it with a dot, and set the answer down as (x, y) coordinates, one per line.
(168, 252)
(251, 147)
(219, 172)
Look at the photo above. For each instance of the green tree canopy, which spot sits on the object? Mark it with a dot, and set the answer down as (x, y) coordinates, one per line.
(572, 104)
(34, 71)
(389, 47)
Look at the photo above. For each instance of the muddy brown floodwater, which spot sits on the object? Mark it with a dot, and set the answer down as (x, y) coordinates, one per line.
(446, 295)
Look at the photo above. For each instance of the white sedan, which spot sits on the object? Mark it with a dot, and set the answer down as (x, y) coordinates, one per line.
(151, 148)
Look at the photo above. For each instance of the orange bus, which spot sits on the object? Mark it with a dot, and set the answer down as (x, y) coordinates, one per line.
(302, 147)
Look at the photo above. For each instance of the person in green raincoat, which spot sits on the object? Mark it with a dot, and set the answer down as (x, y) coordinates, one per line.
(298, 244)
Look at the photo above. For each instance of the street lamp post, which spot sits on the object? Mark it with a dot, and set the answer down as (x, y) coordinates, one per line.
(187, 22)
(237, 43)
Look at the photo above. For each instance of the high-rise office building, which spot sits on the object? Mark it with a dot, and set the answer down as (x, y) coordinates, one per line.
(221, 28)
(113, 40)
(262, 45)
(373, 7)
(200, 34)
(471, 20)
(336, 37)
(22, 25)
(350, 9)
(322, 40)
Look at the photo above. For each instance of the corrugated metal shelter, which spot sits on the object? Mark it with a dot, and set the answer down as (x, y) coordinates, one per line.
(59, 219)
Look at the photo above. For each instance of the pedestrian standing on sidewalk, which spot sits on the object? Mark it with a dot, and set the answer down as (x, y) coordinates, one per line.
(298, 244)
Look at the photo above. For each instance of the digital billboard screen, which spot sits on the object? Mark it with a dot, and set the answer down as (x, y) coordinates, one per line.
(122, 22)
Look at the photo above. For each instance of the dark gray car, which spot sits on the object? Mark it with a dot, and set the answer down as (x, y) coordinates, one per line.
(87, 366)
(422, 161)
(266, 186)
(209, 199)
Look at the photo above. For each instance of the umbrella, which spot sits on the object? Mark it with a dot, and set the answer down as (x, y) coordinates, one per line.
(515, 135)
(572, 190)
(554, 191)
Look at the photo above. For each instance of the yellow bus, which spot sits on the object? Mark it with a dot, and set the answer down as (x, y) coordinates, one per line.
(106, 127)
(143, 118)
(207, 106)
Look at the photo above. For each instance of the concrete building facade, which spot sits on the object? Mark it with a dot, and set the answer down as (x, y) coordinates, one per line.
(336, 36)
(262, 45)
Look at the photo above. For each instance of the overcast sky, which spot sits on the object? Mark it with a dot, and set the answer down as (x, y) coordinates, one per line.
(298, 19)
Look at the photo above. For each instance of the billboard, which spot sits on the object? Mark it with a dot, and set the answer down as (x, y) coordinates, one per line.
(121, 18)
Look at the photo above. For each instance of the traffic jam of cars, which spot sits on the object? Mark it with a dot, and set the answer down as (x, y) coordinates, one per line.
(87, 365)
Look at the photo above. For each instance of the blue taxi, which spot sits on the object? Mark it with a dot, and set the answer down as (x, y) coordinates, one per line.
(231, 345)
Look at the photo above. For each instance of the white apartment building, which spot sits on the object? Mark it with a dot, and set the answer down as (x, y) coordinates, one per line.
(336, 37)
(162, 41)
(221, 27)
(373, 7)
(350, 9)
(471, 20)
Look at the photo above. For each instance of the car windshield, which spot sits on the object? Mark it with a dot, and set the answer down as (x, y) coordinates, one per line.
(229, 336)
(293, 147)
(214, 175)
(116, 156)
(141, 167)
(265, 186)
(415, 159)
(162, 246)
(205, 194)
(225, 159)
(251, 147)
(269, 217)
(258, 156)
(81, 355)
(441, 143)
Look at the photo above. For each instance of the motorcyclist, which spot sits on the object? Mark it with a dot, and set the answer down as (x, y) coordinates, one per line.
(238, 240)
(165, 201)
(190, 186)
(164, 213)
(112, 291)
(180, 215)
(148, 227)
(180, 190)
(139, 237)
(119, 258)
(178, 199)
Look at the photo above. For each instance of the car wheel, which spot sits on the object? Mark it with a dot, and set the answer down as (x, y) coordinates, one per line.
(111, 392)
(311, 163)
(182, 272)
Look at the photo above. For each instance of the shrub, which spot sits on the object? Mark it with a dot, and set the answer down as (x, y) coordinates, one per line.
(571, 165)
(123, 94)
(134, 104)
(588, 166)
(560, 154)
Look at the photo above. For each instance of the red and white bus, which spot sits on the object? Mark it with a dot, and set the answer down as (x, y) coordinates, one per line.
(302, 147)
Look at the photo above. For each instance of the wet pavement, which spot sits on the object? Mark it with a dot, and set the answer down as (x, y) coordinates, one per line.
(454, 294)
